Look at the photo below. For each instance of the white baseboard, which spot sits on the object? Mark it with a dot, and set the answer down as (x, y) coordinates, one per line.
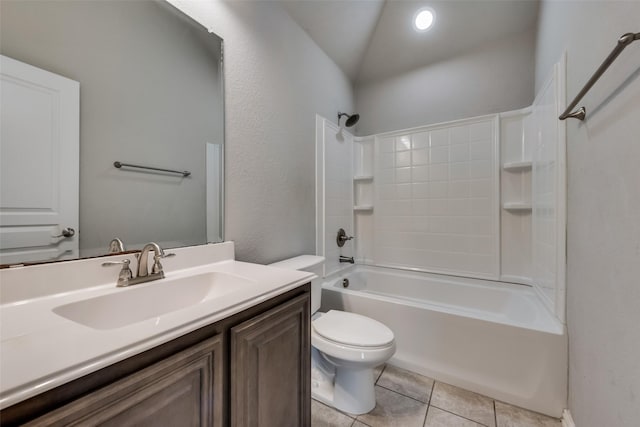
(567, 420)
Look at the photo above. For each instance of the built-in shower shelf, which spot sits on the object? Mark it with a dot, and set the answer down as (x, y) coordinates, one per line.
(363, 208)
(517, 166)
(363, 178)
(517, 206)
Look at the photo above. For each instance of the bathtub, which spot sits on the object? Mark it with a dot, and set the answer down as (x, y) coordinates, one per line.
(494, 338)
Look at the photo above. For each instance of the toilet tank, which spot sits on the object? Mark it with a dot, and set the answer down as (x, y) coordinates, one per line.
(310, 263)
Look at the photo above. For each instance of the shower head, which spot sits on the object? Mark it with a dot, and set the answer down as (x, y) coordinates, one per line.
(351, 119)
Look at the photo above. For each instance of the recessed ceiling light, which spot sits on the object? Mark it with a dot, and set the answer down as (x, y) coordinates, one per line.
(423, 19)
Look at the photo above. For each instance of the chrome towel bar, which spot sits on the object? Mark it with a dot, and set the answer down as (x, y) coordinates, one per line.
(129, 165)
(624, 41)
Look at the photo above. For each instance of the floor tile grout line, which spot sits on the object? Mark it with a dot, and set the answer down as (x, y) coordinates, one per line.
(402, 394)
(458, 415)
(380, 374)
(336, 410)
(492, 400)
(433, 386)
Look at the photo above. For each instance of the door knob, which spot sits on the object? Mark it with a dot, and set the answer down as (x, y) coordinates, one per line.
(67, 232)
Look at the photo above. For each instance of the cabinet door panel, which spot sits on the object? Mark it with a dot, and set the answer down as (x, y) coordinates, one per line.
(270, 368)
(184, 390)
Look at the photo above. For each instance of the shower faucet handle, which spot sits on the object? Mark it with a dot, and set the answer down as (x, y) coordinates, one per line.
(342, 238)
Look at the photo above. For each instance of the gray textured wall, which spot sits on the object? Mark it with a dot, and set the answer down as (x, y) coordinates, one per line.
(603, 224)
(276, 80)
(150, 93)
(497, 77)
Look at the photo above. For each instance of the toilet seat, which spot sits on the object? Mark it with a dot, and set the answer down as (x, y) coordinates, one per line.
(352, 330)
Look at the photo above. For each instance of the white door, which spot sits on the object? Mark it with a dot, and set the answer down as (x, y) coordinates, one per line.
(39, 164)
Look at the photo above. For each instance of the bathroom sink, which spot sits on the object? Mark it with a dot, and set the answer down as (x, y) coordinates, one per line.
(138, 303)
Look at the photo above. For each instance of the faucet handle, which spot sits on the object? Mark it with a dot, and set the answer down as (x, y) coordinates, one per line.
(125, 273)
(157, 267)
(342, 238)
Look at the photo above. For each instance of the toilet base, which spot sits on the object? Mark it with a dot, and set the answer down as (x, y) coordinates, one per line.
(348, 390)
(354, 390)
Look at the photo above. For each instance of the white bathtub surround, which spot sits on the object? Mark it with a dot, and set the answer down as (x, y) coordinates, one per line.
(533, 188)
(492, 338)
(363, 197)
(548, 190)
(516, 135)
(436, 198)
(482, 200)
(41, 349)
(482, 197)
(334, 192)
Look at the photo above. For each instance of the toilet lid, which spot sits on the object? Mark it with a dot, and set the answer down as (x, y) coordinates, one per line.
(352, 329)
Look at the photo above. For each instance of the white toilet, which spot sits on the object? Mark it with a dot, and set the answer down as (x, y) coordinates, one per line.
(345, 348)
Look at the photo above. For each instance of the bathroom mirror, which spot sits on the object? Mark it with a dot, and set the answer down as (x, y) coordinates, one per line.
(150, 94)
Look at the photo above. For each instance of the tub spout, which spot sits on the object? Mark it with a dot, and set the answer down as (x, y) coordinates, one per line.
(348, 259)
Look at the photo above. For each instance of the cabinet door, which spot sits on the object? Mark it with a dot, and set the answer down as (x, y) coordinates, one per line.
(182, 390)
(270, 368)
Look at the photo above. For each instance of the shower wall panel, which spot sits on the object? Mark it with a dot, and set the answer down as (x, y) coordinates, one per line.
(549, 193)
(334, 192)
(436, 199)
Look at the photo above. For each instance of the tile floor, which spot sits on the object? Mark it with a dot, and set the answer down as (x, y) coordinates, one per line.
(406, 399)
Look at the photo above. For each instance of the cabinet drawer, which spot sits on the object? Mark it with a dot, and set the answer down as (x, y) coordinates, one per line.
(184, 389)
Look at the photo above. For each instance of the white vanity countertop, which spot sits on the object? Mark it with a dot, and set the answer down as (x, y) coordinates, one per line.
(40, 349)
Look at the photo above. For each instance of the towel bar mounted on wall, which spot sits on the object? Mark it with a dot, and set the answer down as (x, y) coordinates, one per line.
(129, 165)
(624, 41)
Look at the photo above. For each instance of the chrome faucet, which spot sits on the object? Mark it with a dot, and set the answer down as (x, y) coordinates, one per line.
(143, 259)
(348, 259)
(125, 278)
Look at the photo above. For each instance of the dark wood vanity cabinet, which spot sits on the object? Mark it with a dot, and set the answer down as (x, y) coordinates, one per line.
(270, 368)
(251, 369)
(182, 390)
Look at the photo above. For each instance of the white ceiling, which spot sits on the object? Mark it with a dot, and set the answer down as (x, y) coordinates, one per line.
(375, 39)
